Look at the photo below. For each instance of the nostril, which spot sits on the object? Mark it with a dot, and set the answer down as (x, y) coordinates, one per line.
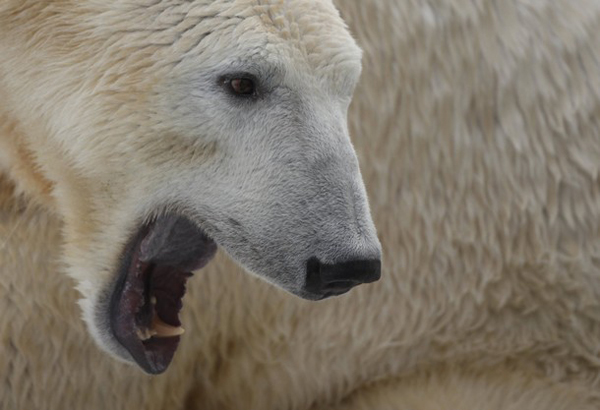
(359, 271)
(338, 278)
(313, 271)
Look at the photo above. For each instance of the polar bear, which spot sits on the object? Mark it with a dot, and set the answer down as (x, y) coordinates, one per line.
(225, 126)
(474, 125)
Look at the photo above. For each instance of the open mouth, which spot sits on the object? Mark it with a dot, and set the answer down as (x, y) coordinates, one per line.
(145, 304)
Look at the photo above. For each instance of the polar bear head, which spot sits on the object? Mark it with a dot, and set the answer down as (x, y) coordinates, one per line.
(174, 127)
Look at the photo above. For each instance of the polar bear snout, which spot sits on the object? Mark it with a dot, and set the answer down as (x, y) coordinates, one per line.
(324, 280)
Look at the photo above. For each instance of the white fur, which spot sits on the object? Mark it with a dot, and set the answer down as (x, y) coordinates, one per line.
(273, 180)
(476, 126)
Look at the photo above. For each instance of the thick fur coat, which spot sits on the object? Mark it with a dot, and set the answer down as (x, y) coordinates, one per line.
(477, 128)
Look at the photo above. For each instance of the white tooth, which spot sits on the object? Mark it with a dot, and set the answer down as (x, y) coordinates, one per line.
(161, 329)
(144, 334)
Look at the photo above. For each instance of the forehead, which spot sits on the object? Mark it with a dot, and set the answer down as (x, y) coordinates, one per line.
(309, 32)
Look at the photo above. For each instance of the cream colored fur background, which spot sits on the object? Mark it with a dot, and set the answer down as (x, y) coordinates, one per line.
(477, 128)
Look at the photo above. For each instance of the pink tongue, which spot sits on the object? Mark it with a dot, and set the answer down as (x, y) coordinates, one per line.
(177, 242)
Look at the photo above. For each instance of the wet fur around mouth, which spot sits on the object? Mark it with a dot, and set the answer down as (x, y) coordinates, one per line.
(147, 296)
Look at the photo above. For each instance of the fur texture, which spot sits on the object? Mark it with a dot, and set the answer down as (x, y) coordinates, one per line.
(138, 121)
(476, 125)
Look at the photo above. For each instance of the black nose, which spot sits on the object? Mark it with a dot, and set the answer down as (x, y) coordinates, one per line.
(334, 279)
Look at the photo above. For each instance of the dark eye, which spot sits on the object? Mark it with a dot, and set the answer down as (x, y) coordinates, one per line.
(242, 86)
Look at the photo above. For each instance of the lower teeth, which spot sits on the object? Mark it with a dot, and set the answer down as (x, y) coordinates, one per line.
(158, 328)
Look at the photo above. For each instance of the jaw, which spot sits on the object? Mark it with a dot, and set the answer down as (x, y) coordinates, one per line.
(144, 305)
(135, 315)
